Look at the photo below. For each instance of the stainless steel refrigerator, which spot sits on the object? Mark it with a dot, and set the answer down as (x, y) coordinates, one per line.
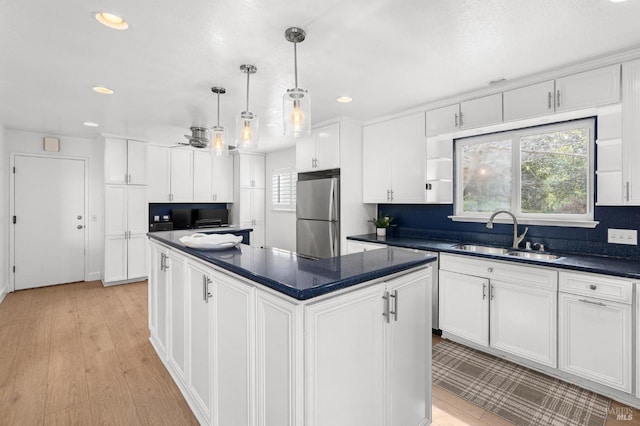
(318, 212)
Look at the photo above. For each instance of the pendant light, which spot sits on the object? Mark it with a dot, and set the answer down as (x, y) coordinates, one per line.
(296, 102)
(218, 146)
(247, 122)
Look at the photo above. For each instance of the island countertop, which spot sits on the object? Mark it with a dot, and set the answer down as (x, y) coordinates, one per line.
(299, 277)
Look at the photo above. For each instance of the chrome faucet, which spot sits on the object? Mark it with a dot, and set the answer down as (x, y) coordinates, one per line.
(517, 239)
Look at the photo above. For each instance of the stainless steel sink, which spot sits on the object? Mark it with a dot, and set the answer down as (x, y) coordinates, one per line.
(533, 255)
(481, 249)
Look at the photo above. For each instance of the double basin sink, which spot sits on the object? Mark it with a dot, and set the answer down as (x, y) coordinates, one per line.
(536, 255)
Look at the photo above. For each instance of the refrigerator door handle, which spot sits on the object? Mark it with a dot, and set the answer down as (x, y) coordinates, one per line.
(333, 239)
(333, 215)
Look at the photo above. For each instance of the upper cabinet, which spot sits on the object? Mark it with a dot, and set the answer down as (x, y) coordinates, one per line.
(251, 170)
(582, 90)
(631, 132)
(320, 150)
(125, 161)
(394, 161)
(186, 175)
(465, 115)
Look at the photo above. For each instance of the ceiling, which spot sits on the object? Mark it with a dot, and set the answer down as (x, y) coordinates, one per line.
(388, 55)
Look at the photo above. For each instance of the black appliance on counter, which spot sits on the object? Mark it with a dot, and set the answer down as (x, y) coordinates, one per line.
(182, 218)
(211, 218)
(160, 226)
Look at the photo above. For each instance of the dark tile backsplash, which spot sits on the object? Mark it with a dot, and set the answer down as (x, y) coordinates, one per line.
(432, 221)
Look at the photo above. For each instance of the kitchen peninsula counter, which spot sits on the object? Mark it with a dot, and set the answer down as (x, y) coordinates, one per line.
(263, 336)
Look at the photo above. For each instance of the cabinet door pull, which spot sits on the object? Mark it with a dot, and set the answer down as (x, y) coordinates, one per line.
(126, 178)
(550, 99)
(558, 98)
(129, 177)
(162, 261)
(385, 312)
(484, 291)
(593, 286)
(387, 195)
(391, 195)
(492, 290)
(460, 118)
(456, 119)
(394, 296)
(593, 303)
(627, 191)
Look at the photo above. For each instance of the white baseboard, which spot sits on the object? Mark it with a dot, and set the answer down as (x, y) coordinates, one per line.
(3, 292)
(94, 276)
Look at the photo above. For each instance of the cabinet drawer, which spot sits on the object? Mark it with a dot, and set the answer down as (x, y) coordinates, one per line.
(529, 275)
(360, 246)
(599, 286)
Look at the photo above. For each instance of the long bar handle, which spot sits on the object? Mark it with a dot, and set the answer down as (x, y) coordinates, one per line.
(550, 100)
(162, 261)
(593, 303)
(484, 291)
(456, 119)
(204, 289)
(558, 98)
(492, 290)
(394, 296)
(385, 313)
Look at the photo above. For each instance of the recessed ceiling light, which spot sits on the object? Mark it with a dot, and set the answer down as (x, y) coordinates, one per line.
(344, 99)
(90, 124)
(112, 21)
(103, 90)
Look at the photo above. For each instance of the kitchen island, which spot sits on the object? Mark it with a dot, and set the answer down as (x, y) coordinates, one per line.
(263, 337)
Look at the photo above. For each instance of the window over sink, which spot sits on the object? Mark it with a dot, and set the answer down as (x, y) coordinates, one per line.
(543, 174)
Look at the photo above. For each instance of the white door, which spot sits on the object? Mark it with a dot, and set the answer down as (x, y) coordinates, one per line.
(481, 111)
(136, 163)
(529, 101)
(49, 233)
(376, 165)
(202, 176)
(159, 179)
(306, 153)
(328, 147)
(408, 171)
(181, 175)
(137, 218)
(443, 120)
(177, 308)
(222, 177)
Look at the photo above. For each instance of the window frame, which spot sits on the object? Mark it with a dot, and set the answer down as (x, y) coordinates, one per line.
(578, 220)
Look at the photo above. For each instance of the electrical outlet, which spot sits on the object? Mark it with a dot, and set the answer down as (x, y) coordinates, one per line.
(623, 236)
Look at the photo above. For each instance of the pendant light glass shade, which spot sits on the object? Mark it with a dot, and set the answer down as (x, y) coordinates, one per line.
(296, 102)
(218, 146)
(247, 123)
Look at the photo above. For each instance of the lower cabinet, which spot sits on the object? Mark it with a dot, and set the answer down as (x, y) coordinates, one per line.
(368, 356)
(360, 246)
(508, 307)
(595, 328)
(199, 339)
(243, 355)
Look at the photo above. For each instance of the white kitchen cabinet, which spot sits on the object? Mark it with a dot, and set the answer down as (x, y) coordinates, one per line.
(482, 111)
(222, 176)
(125, 233)
(469, 114)
(251, 208)
(361, 246)
(159, 173)
(199, 339)
(464, 310)
(588, 89)
(523, 319)
(277, 338)
(202, 176)
(631, 132)
(320, 150)
(582, 90)
(250, 170)
(379, 375)
(442, 120)
(233, 342)
(181, 172)
(637, 315)
(529, 101)
(175, 269)
(595, 328)
(158, 299)
(394, 178)
(125, 161)
(503, 305)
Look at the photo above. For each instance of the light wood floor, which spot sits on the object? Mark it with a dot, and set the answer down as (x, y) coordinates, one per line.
(79, 354)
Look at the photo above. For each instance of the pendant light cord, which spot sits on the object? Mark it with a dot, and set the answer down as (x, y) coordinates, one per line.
(248, 90)
(218, 109)
(295, 63)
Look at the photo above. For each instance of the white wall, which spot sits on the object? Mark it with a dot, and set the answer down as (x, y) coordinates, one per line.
(18, 141)
(280, 225)
(4, 214)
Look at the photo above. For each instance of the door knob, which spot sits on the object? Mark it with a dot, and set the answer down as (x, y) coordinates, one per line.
(79, 226)
(79, 217)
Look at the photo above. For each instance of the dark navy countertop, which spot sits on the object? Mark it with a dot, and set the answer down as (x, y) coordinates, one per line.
(299, 277)
(621, 267)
